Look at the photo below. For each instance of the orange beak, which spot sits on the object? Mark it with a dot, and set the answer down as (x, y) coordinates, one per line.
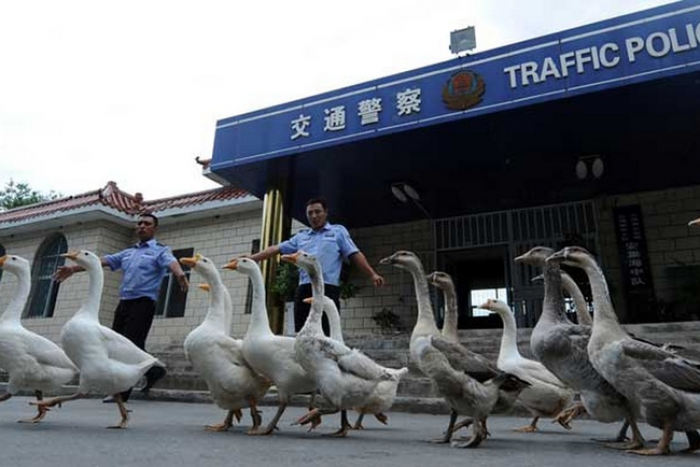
(71, 255)
(2, 260)
(232, 265)
(205, 287)
(191, 261)
(291, 258)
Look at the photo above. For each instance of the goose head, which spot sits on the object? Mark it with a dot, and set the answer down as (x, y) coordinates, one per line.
(496, 306)
(535, 256)
(403, 259)
(305, 261)
(441, 280)
(14, 264)
(202, 265)
(243, 265)
(575, 256)
(87, 259)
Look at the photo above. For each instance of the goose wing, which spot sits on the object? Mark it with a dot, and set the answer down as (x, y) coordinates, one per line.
(47, 353)
(462, 359)
(120, 348)
(679, 373)
(351, 360)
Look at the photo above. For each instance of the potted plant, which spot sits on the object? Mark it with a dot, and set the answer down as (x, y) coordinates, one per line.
(387, 320)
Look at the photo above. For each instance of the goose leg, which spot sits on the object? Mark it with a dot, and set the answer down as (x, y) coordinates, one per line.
(662, 448)
(56, 401)
(565, 416)
(382, 418)
(466, 423)
(41, 410)
(693, 442)
(273, 423)
(345, 426)
(358, 422)
(450, 429)
(637, 441)
(223, 426)
(480, 434)
(122, 411)
(255, 414)
(4, 397)
(531, 428)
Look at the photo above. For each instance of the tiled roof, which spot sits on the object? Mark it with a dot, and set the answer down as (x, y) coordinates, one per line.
(111, 196)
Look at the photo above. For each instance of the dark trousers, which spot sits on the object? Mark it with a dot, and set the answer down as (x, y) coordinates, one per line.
(301, 309)
(133, 319)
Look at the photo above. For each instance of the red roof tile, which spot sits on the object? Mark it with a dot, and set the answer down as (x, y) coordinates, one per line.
(111, 196)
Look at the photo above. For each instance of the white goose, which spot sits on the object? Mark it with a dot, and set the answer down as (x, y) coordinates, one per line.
(444, 282)
(384, 395)
(470, 384)
(218, 357)
(109, 363)
(663, 386)
(270, 355)
(31, 361)
(345, 377)
(546, 396)
(561, 346)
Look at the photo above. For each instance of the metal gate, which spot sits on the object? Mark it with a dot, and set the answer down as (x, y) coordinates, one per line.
(520, 230)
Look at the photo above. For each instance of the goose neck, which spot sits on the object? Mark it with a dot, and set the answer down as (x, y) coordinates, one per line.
(14, 309)
(425, 323)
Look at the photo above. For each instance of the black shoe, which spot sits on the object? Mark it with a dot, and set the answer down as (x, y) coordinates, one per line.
(153, 375)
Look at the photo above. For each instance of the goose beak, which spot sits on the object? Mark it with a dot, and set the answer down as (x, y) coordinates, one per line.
(291, 258)
(694, 222)
(190, 261)
(232, 265)
(537, 278)
(308, 300)
(2, 260)
(71, 255)
(387, 260)
(205, 287)
(521, 258)
(560, 255)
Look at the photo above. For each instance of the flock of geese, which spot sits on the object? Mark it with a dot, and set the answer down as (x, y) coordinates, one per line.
(617, 377)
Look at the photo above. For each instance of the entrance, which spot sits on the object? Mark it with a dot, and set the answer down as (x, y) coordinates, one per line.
(478, 252)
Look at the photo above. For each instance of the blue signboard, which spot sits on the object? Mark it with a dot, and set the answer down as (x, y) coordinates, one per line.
(629, 49)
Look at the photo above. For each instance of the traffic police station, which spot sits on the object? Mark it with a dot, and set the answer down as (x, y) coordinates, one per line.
(587, 136)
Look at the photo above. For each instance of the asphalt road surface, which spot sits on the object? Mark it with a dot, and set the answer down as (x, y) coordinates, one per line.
(171, 434)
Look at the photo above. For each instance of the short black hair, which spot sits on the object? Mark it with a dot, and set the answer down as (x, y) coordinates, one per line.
(320, 201)
(152, 216)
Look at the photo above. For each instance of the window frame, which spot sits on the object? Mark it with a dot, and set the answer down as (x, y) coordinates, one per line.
(48, 257)
(169, 305)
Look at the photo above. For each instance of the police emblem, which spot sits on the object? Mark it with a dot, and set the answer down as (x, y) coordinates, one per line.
(463, 90)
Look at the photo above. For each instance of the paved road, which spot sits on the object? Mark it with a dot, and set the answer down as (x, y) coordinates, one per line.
(170, 434)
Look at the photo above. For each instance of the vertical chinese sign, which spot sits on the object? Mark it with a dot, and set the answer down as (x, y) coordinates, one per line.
(634, 261)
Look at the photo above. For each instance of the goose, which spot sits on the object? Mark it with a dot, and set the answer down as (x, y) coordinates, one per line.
(345, 377)
(31, 361)
(547, 395)
(383, 397)
(470, 384)
(561, 346)
(109, 363)
(218, 357)
(270, 355)
(663, 387)
(444, 282)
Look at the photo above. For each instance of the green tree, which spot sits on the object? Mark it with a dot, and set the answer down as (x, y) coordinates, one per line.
(15, 195)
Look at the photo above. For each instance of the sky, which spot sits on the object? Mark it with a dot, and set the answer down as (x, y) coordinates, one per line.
(129, 91)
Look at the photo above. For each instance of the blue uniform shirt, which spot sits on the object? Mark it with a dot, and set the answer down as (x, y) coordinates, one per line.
(144, 265)
(330, 245)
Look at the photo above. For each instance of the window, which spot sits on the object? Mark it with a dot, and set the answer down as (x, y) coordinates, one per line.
(45, 289)
(254, 248)
(2, 253)
(481, 295)
(171, 299)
